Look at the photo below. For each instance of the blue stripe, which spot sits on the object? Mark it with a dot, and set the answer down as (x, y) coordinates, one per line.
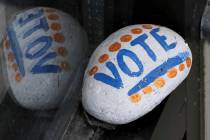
(159, 71)
(16, 49)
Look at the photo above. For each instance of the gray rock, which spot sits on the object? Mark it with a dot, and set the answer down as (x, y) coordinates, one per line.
(43, 48)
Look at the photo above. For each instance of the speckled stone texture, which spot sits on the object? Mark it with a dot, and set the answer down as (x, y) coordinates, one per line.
(132, 71)
(43, 48)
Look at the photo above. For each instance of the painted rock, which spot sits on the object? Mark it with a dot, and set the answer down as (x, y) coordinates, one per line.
(43, 48)
(132, 71)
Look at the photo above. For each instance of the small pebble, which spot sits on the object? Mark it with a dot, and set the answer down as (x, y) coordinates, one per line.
(132, 71)
(42, 48)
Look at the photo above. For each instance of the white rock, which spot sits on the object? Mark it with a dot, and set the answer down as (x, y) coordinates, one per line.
(43, 48)
(132, 71)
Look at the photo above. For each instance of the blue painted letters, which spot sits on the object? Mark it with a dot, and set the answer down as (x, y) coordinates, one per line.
(153, 74)
(38, 47)
(141, 41)
(114, 82)
(123, 66)
(40, 68)
(42, 25)
(43, 40)
(162, 40)
(27, 18)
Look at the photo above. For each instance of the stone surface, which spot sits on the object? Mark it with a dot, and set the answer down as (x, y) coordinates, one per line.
(43, 48)
(132, 71)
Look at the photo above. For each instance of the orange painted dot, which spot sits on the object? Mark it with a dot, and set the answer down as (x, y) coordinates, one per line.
(58, 37)
(14, 67)
(10, 57)
(49, 10)
(172, 73)
(115, 47)
(126, 38)
(159, 82)
(18, 77)
(55, 26)
(135, 98)
(6, 44)
(147, 90)
(62, 51)
(147, 26)
(188, 62)
(181, 67)
(53, 17)
(136, 30)
(103, 58)
(93, 71)
(65, 65)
